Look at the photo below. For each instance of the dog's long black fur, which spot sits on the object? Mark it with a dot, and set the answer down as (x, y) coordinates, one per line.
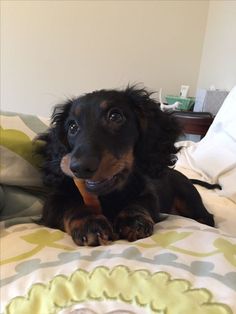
(122, 145)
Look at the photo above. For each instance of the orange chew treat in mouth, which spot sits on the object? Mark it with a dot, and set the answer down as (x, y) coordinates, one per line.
(89, 199)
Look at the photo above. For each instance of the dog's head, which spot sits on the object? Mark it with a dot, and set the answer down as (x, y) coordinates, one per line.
(106, 135)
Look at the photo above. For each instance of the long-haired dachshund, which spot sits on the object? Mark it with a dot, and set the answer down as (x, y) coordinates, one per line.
(122, 145)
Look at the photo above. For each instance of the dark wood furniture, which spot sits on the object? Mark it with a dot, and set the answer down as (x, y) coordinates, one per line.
(194, 122)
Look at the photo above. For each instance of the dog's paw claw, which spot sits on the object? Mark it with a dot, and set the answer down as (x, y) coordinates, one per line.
(92, 231)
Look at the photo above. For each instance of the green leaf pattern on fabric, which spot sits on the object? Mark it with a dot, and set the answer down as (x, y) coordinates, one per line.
(19, 143)
(19, 167)
(41, 238)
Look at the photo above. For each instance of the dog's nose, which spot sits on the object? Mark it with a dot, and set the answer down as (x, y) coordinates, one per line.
(84, 167)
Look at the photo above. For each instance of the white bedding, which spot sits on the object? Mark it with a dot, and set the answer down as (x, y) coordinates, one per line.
(223, 208)
(214, 157)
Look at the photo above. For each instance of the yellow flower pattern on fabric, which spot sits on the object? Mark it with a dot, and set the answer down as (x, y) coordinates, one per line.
(44, 238)
(41, 238)
(166, 239)
(227, 249)
(157, 291)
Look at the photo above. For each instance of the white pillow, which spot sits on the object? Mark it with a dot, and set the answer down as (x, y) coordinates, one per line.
(214, 157)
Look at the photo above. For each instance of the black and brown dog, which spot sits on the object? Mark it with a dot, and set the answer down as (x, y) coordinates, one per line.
(122, 145)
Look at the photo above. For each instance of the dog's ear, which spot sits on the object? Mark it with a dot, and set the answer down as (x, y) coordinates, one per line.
(155, 149)
(141, 102)
(54, 145)
(59, 116)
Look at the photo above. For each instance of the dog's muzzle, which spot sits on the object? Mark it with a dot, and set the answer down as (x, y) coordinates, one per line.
(84, 168)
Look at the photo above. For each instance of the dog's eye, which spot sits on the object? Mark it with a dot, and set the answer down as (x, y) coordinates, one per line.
(115, 116)
(73, 127)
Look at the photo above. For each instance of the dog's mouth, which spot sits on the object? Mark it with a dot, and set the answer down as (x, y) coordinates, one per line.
(101, 187)
(107, 178)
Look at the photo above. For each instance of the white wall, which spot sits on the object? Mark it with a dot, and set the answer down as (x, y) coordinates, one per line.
(218, 65)
(54, 49)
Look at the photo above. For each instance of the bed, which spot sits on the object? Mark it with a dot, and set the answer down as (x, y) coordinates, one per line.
(184, 267)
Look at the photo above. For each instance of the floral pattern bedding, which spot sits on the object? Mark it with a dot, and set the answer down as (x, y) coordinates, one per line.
(21, 193)
(184, 267)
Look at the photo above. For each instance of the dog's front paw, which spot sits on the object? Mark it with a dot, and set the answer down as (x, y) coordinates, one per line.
(133, 226)
(92, 230)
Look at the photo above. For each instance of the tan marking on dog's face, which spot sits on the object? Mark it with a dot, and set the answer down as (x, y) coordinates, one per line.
(110, 165)
(65, 165)
(104, 104)
(77, 110)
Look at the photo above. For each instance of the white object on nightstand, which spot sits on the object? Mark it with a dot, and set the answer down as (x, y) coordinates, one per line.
(184, 91)
(167, 107)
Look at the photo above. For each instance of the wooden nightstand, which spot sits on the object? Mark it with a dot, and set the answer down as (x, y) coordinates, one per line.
(194, 122)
